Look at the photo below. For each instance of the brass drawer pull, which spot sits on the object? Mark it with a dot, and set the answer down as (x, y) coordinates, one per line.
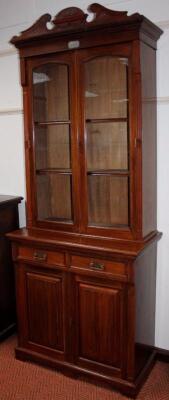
(40, 256)
(96, 266)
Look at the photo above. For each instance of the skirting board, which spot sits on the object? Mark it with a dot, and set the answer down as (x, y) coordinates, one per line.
(7, 332)
(162, 355)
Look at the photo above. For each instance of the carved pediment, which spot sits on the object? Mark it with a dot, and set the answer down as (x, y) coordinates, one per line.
(70, 15)
(73, 18)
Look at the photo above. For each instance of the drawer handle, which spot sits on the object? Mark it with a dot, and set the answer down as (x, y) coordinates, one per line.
(96, 266)
(38, 255)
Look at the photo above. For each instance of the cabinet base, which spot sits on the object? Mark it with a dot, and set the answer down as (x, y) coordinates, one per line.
(126, 387)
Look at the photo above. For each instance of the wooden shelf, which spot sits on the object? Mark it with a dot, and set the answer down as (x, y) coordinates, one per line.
(56, 219)
(60, 171)
(103, 120)
(109, 172)
(44, 123)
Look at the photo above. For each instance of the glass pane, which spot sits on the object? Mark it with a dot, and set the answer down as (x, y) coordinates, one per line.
(108, 200)
(50, 93)
(54, 197)
(52, 146)
(107, 146)
(106, 88)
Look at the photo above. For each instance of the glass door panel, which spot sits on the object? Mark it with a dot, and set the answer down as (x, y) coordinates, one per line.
(52, 139)
(50, 93)
(106, 88)
(106, 137)
(107, 146)
(107, 200)
(52, 147)
(54, 192)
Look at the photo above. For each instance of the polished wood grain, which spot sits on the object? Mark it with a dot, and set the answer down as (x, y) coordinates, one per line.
(42, 294)
(100, 339)
(145, 281)
(98, 264)
(39, 255)
(149, 140)
(45, 293)
(85, 263)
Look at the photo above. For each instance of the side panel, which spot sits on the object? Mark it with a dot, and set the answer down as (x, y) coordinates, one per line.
(145, 282)
(149, 146)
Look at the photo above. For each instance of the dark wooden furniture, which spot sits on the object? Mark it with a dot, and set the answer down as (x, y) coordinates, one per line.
(8, 222)
(86, 262)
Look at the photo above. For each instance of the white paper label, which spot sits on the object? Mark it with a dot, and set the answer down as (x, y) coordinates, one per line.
(74, 44)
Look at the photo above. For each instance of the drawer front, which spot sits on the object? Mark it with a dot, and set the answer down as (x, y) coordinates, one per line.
(42, 256)
(98, 265)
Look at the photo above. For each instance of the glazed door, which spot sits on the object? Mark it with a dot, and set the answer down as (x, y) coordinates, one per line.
(100, 321)
(41, 311)
(106, 139)
(54, 142)
(80, 172)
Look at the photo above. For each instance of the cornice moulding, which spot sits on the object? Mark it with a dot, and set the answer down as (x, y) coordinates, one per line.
(74, 19)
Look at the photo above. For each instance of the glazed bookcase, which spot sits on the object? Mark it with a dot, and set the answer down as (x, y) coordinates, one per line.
(86, 261)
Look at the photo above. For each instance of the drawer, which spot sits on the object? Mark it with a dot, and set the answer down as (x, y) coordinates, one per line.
(42, 256)
(98, 265)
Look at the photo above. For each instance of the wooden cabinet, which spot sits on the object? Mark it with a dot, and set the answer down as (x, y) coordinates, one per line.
(86, 261)
(8, 221)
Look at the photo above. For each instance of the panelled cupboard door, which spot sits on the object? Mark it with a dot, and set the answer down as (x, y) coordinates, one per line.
(54, 158)
(43, 311)
(101, 327)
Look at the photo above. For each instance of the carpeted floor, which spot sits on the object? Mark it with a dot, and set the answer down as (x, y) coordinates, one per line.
(26, 381)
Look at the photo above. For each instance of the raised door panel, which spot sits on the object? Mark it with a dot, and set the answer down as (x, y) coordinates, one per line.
(45, 311)
(101, 327)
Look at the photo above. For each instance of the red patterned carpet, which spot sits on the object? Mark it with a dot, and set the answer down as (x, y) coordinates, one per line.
(26, 381)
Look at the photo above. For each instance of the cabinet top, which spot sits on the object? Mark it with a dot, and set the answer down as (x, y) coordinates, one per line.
(5, 199)
(74, 20)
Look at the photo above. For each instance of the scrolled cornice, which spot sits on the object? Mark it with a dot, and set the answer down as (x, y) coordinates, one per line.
(73, 19)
